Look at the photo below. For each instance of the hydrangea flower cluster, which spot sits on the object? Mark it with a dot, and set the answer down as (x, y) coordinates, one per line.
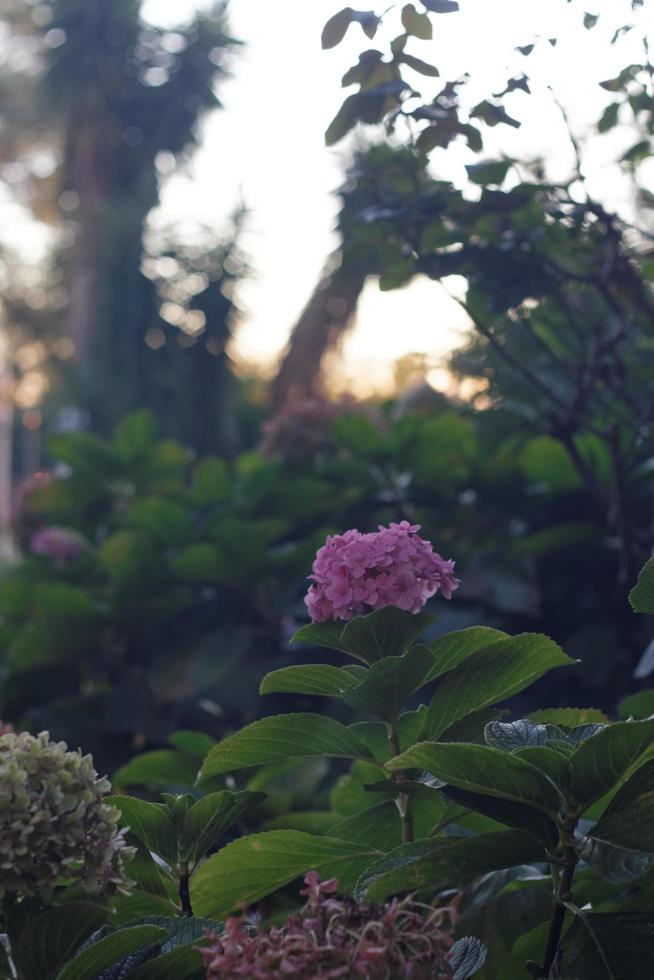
(54, 827)
(354, 573)
(303, 428)
(59, 543)
(336, 937)
(25, 517)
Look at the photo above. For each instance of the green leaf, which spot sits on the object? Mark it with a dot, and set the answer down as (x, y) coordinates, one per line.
(641, 596)
(548, 760)
(601, 761)
(164, 518)
(568, 717)
(480, 769)
(359, 433)
(321, 635)
(283, 737)
(488, 171)
(452, 649)
(151, 823)
(344, 120)
(209, 818)
(144, 870)
(319, 679)
(494, 674)
(507, 812)
(386, 632)
(63, 601)
(211, 481)
(609, 946)
(512, 735)
(446, 862)
(419, 25)
(639, 705)
(200, 562)
(390, 682)
(466, 956)
(186, 961)
(609, 117)
(135, 434)
(336, 28)
(611, 862)
(628, 820)
(441, 6)
(257, 865)
(49, 939)
(88, 964)
(417, 64)
(193, 743)
(162, 767)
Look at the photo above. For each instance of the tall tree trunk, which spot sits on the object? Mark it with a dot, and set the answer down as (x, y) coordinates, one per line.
(324, 320)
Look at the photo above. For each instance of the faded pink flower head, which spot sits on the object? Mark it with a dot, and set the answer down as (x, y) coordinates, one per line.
(58, 543)
(336, 937)
(354, 573)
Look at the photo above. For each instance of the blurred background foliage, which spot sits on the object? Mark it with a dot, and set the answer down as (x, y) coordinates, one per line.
(196, 498)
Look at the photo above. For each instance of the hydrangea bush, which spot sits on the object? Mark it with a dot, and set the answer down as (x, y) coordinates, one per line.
(465, 842)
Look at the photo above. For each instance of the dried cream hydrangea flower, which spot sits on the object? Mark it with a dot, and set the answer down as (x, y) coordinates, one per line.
(54, 826)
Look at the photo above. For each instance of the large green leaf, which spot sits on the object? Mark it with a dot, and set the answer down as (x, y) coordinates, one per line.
(390, 682)
(92, 960)
(641, 596)
(611, 862)
(601, 761)
(179, 956)
(481, 769)
(208, 819)
(508, 812)
(255, 866)
(466, 956)
(446, 862)
(151, 823)
(321, 635)
(452, 649)
(609, 946)
(144, 870)
(181, 963)
(282, 737)
(162, 767)
(320, 679)
(386, 632)
(569, 717)
(49, 939)
(628, 820)
(135, 434)
(638, 705)
(495, 673)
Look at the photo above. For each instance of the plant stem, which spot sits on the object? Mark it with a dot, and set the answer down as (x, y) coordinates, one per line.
(403, 800)
(562, 895)
(184, 893)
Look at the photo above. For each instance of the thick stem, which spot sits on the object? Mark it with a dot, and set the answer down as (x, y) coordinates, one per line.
(561, 896)
(403, 800)
(184, 894)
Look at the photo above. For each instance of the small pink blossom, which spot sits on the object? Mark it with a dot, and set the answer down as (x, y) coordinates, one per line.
(354, 573)
(58, 543)
(334, 937)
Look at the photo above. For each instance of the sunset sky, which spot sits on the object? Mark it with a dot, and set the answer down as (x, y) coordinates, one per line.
(267, 148)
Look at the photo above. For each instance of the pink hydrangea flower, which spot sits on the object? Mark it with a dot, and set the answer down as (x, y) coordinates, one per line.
(336, 937)
(354, 573)
(58, 543)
